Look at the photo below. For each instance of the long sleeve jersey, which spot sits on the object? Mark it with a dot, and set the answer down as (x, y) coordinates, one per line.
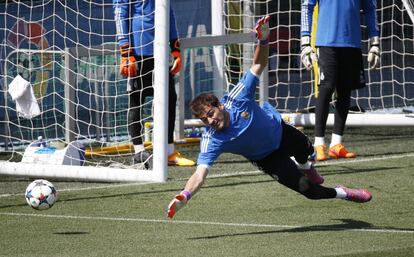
(339, 21)
(135, 25)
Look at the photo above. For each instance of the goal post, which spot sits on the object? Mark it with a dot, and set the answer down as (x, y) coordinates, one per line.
(68, 57)
(409, 6)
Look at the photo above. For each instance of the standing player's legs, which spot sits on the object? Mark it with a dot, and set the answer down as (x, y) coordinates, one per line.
(328, 75)
(174, 157)
(134, 117)
(343, 101)
(141, 88)
(351, 76)
(172, 102)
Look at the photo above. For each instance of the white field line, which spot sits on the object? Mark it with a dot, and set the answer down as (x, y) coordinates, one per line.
(234, 174)
(189, 222)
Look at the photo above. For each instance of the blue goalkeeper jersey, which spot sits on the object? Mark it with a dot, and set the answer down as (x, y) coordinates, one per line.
(254, 132)
(135, 25)
(339, 21)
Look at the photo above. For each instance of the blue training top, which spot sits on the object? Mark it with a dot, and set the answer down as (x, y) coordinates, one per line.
(135, 25)
(339, 21)
(254, 132)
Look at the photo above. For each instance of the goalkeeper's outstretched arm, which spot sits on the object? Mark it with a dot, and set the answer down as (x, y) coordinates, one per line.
(260, 61)
(261, 54)
(193, 184)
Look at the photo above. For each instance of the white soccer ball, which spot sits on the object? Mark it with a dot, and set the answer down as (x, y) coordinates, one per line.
(41, 194)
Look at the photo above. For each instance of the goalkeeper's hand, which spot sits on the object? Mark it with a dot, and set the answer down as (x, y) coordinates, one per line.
(262, 30)
(176, 54)
(129, 66)
(307, 55)
(374, 53)
(177, 203)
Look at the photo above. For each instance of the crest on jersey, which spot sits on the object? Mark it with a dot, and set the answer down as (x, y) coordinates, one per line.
(245, 115)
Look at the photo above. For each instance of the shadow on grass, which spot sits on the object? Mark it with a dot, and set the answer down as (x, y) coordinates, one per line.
(71, 233)
(346, 225)
(348, 170)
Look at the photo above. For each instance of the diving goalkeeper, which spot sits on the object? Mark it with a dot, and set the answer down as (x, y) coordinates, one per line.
(236, 119)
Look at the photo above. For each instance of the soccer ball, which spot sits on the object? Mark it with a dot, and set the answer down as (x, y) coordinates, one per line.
(41, 194)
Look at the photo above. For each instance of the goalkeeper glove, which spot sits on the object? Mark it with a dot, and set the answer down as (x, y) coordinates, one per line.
(307, 55)
(374, 53)
(262, 30)
(176, 54)
(177, 203)
(129, 66)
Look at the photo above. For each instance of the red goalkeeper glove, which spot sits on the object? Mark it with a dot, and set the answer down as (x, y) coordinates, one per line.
(129, 66)
(176, 54)
(177, 203)
(262, 30)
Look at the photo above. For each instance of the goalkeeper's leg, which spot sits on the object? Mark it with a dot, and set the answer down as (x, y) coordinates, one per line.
(284, 170)
(343, 101)
(172, 103)
(134, 117)
(291, 177)
(295, 143)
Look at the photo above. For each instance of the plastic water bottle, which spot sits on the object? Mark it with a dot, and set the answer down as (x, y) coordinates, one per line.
(41, 143)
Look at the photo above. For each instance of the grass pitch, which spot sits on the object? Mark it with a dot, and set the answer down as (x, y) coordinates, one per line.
(238, 212)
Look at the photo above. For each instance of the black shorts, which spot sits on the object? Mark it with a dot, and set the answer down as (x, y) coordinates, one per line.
(279, 165)
(341, 67)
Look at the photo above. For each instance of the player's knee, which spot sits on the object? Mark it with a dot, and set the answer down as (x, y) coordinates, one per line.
(307, 188)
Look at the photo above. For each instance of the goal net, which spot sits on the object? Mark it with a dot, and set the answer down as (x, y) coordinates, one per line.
(388, 90)
(64, 105)
(291, 88)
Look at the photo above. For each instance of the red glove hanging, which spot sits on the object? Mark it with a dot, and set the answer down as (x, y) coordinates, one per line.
(176, 54)
(129, 66)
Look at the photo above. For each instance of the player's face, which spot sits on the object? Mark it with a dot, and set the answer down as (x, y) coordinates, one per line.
(215, 117)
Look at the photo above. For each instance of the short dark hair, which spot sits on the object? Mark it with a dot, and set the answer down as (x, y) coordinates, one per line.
(205, 99)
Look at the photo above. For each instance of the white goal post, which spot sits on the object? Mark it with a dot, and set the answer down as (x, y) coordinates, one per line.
(82, 98)
(409, 6)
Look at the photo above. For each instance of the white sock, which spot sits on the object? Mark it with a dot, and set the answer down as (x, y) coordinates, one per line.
(138, 148)
(336, 139)
(340, 193)
(319, 141)
(170, 149)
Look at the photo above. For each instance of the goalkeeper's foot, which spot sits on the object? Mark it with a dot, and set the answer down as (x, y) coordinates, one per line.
(320, 153)
(143, 158)
(356, 195)
(339, 151)
(313, 175)
(176, 159)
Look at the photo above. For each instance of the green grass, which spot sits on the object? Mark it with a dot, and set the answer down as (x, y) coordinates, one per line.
(238, 212)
